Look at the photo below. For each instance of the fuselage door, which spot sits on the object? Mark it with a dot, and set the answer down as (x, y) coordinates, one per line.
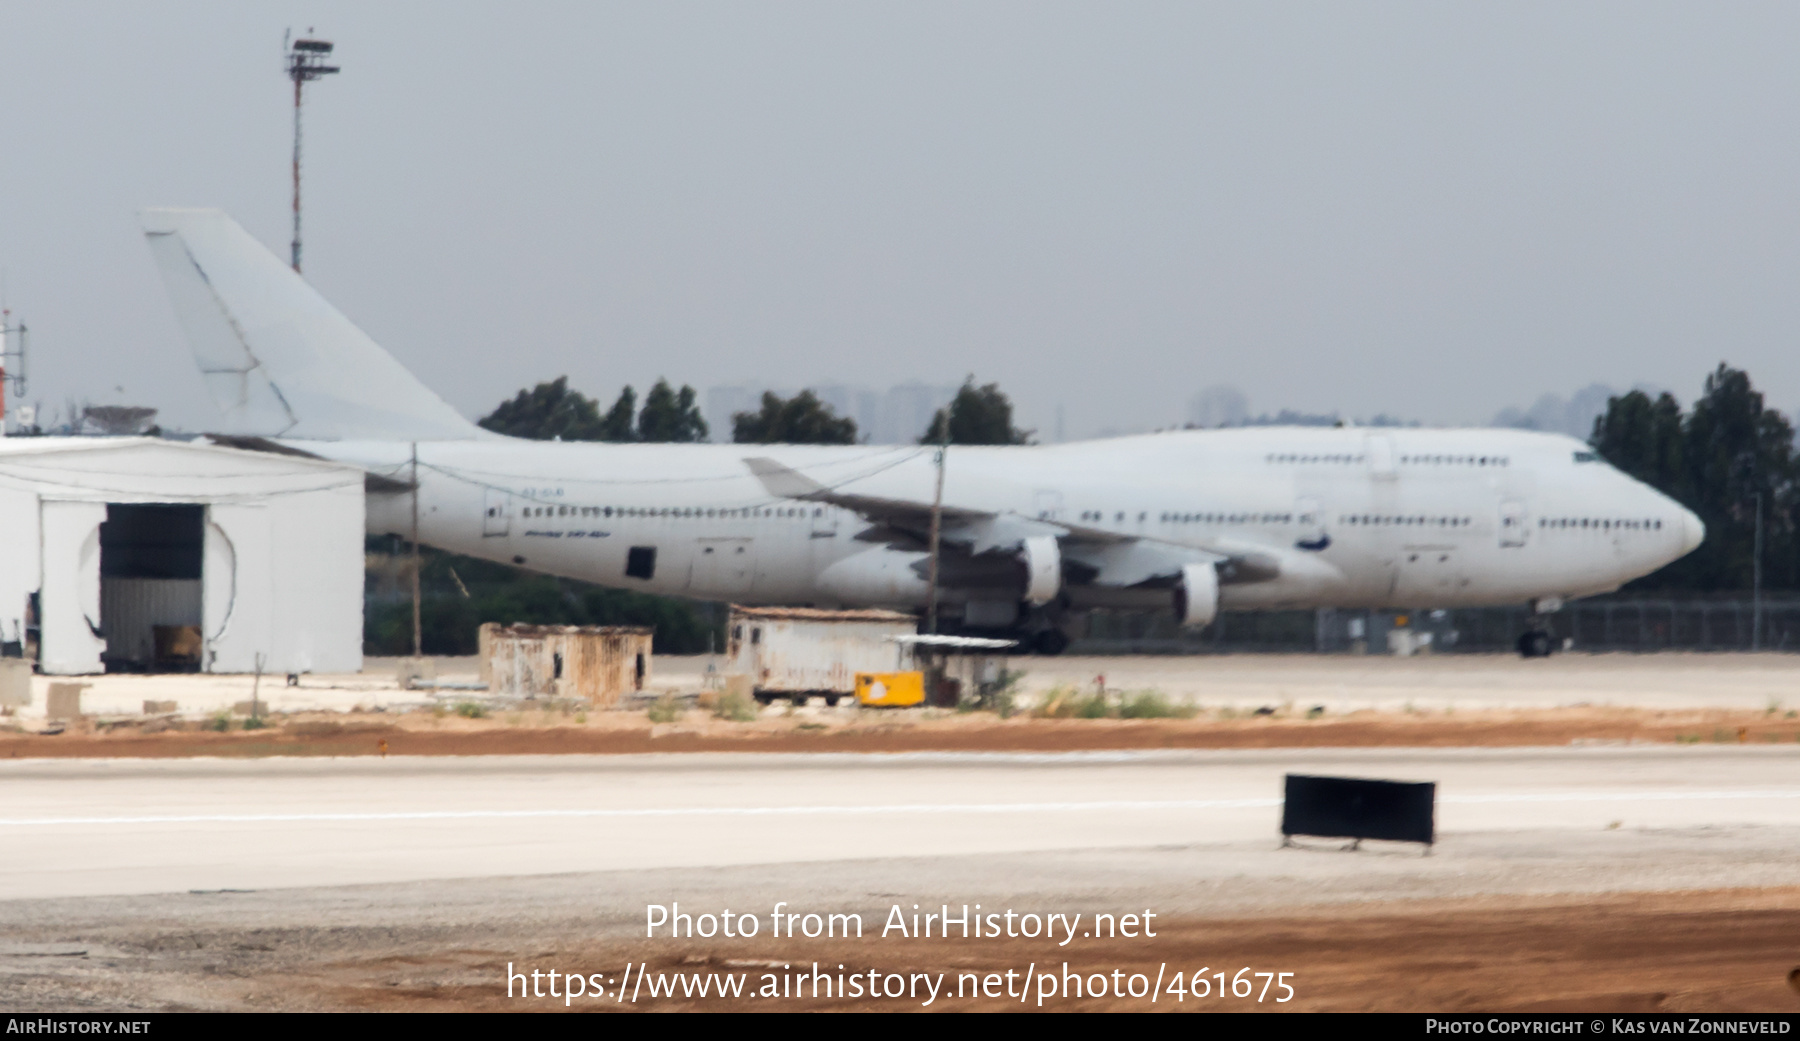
(1309, 524)
(1380, 449)
(1512, 524)
(496, 513)
(723, 568)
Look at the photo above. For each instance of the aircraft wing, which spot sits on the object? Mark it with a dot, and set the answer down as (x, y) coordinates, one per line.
(785, 482)
(979, 530)
(1089, 555)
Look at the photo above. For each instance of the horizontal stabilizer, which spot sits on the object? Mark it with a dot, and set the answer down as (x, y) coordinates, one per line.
(279, 360)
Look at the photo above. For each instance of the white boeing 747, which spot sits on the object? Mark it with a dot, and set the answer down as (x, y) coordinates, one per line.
(1191, 521)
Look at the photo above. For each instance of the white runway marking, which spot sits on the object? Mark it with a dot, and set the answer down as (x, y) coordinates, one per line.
(799, 811)
(682, 811)
(1775, 793)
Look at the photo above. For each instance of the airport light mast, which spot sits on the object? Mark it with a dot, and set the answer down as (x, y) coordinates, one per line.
(13, 338)
(306, 58)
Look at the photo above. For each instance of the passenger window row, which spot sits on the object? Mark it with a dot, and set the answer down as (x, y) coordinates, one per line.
(670, 511)
(1099, 517)
(1455, 460)
(1227, 518)
(1410, 460)
(1367, 519)
(1601, 523)
(1297, 457)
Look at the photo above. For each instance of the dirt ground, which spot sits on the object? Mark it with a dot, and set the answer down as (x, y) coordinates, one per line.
(1341, 684)
(1721, 951)
(622, 732)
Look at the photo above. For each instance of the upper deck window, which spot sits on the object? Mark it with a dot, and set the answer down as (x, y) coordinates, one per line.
(1586, 457)
(1455, 460)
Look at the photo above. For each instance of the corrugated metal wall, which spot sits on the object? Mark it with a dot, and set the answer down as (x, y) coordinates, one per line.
(130, 607)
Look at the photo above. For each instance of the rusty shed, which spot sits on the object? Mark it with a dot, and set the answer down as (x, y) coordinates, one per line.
(598, 664)
(798, 651)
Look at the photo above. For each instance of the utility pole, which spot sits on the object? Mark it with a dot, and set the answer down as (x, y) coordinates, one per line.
(305, 62)
(1756, 580)
(418, 634)
(937, 528)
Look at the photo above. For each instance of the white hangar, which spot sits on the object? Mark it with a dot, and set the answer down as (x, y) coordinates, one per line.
(139, 553)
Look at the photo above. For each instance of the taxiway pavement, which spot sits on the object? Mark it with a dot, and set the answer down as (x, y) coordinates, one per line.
(88, 828)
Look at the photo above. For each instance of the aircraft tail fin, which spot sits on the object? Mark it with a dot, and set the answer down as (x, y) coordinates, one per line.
(276, 356)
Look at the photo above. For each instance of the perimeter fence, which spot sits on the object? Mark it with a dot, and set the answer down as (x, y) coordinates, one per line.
(1608, 624)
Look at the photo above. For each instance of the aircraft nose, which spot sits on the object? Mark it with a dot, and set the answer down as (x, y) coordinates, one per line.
(1692, 532)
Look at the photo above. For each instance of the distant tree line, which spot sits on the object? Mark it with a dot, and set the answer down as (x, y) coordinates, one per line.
(1727, 459)
(800, 420)
(975, 416)
(554, 412)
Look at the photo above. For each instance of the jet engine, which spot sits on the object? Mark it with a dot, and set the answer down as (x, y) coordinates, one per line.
(878, 576)
(1197, 595)
(1043, 569)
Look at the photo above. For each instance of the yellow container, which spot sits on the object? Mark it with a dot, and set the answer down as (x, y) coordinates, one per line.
(890, 689)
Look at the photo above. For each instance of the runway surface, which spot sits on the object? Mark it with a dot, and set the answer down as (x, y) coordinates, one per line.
(93, 828)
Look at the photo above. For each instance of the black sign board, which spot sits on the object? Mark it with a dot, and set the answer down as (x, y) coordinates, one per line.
(1357, 808)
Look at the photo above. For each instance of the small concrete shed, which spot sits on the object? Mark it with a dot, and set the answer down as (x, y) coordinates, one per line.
(136, 553)
(598, 663)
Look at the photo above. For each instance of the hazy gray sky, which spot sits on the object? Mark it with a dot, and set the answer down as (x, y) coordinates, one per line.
(1426, 209)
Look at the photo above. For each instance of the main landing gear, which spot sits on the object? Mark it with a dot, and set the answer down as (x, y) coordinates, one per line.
(1536, 641)
(1039, 630)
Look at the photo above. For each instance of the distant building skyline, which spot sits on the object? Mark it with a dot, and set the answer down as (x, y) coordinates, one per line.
(1573, 415)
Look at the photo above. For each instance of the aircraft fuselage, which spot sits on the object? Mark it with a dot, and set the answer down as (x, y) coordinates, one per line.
(1358, 517)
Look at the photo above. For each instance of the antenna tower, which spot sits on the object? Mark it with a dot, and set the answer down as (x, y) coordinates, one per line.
(306, 58)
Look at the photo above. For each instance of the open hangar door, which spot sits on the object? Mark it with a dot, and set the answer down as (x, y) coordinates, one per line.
(139, 554)
(150, 579)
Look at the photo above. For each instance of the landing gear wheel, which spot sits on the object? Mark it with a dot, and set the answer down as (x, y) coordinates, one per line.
(1050, 643)
(764, 699)
(831, 700)
(1535, 644)
(797, 700)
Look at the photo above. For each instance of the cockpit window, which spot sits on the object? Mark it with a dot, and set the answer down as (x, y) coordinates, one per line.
(1586, 457)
